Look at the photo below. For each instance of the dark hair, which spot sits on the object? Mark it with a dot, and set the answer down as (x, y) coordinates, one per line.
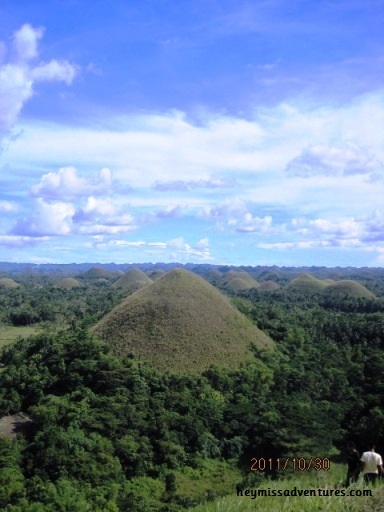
(351, 445)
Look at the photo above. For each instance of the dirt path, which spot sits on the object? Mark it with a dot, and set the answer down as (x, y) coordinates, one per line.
(11, 425)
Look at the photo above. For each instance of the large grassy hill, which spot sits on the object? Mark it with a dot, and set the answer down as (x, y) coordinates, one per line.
(68, 283)
(238, 280)
(349, 288)
(133, 280)
(181, 323)
(6, 282)
(306, 283)
(97, 272)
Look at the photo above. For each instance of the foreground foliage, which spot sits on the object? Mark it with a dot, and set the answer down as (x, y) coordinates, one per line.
(112, 434)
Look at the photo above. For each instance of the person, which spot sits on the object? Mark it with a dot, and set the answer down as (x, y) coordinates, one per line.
(353, 461)
(371, 465)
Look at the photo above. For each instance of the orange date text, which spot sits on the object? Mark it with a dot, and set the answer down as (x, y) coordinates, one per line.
(290, 463)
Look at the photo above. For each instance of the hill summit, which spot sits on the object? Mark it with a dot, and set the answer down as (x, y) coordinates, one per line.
(181, 323)
(133, 279)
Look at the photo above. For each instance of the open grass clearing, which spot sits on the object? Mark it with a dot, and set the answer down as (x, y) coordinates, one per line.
(325, 481)
(10, 333)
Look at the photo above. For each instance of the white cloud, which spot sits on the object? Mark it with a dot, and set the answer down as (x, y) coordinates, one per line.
(180, 185)
(103, 216)
(61, 71)
(250, 224)
(25, 42)
(46, 219)
(20, 241)
(17, 77)
(8, 207)
(335, 161)
(65, 183)
(178, 248)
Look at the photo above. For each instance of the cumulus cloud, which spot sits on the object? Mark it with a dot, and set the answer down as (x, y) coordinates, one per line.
(8, 207)
(103, 216)
(66, 183)
(234, 214)
(25, 42)
(227, 210)
(250, 224)
(181, 248)
(328, 160)
(46, 219)
(17, 77)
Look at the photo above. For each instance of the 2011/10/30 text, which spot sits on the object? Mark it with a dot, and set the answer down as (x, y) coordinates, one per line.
(295, 463)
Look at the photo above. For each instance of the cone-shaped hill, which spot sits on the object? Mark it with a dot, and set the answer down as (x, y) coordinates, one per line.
(97, 273)
(305, 283)
(132, 280)
(155, 273)
(238, 280)
(349, 288)
(269, 286)
(181, 323)
(7, 282)
(68, 283)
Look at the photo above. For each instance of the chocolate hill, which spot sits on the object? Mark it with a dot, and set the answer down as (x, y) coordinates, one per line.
(239, 280)
(181, 323)
(306, 283)
(347, 287)
(7, 282)
(68, 283)
(133, 280)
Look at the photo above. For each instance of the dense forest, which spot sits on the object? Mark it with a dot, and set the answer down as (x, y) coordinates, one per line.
(111, 433)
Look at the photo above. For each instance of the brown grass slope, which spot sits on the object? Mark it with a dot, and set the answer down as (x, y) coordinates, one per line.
(349, 288)
(97, 272)
(181, 323)
(238, 280)
(155, 273)
(133, 279)
(7, 282)
(306, 283)
(68, 283)
(269, 286)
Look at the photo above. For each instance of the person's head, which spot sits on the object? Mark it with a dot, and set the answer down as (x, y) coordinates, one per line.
(372, 447)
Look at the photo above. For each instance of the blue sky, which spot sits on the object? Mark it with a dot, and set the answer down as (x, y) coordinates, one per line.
(244, 133)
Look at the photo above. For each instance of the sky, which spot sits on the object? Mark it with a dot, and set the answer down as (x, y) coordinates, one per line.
(204, 131)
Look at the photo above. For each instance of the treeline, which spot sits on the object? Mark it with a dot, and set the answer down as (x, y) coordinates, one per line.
(77, 306)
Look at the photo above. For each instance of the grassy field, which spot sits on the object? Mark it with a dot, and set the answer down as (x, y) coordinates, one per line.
(326, 481)
(9, 333)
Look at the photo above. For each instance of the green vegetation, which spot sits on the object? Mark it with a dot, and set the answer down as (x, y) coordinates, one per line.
(315, 481)
(116, 431)
(181, 323)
